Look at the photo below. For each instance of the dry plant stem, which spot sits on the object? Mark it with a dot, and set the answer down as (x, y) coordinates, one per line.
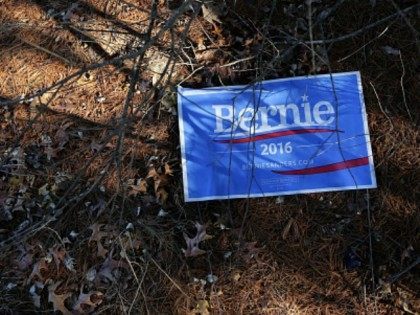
(381, 108)
(123, 120)
(65, 60)
(362, 47)
(191, 74)
(337, 105)
(128, 260)
(169, 277)
(23, 236)
(364, 29)
(114, 61)
(311, 35)
(398, 275)
(37, 116)
(75, 200)
(26, 234)
(258, 77)
(61, 83)
(133, 82)
(237, 61)
(311, 276)
(138, 290)
(331, 10)
(411, 27)
(402, 87)
(370, 244)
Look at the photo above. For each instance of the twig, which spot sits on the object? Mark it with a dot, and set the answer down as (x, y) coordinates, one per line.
(380, 106)
(410, 26)
(362, 30)
(139, 288)
(402, 87)
(370, 243)
(360, 48)
(168, 276)
(191, 74)
(326, 13)
(237, 61)
(311, 34)
(47, 51)
(398, 275)
(370, 238)
(114, 61)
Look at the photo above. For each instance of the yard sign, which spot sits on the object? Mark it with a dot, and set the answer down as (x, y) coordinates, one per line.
(277, 137)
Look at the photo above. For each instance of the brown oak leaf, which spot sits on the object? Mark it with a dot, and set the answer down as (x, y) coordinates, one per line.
(137, 186)
(35, 294)
(61, 136)
(58, 252)
(39, 267)
(25, 257)
(98, 235)
(58, 300)
(162, 195)
(202, 308)
(193, 243)
(169, 170)
(108, 267)
(87, 302)
(249, 251)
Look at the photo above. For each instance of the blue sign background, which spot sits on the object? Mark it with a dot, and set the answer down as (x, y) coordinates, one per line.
(277, 137)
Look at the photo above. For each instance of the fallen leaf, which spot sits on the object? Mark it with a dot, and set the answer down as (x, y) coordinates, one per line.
(70, 12)
(61, 136)
(25, 258)
(236, 276)
(202, 308)
(192, 248)
(50, 152)
(153, 174)
(108, 267)
(193, 243)
(208, 55)
(33, 291)
(169, 169)
(128, 244)
(58, 300)
(162, 195)
(211, 278)
(407, 253)
(391, 51)
(97, 236)
(98, 208)
(39, 267)
(249, 251)
(58, 253)
(137, 186)
(213, 12)
(15, 182)
(95, 147)
(286, 229)
(85, 304)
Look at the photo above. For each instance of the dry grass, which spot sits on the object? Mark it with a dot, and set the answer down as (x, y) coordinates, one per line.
(290, 257)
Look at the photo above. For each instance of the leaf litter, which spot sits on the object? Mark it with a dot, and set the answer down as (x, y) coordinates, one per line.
(56, 252)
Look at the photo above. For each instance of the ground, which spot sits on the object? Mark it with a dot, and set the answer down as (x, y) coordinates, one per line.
(92, 215)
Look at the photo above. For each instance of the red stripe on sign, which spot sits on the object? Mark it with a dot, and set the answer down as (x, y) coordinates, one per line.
(275, 134)
(327, 168)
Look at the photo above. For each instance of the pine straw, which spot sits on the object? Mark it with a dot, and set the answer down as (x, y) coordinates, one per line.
(297, 266)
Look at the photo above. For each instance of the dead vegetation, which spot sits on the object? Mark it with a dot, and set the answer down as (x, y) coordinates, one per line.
(92, 217)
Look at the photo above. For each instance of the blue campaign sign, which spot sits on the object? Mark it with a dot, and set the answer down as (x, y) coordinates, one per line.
(276, 137)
